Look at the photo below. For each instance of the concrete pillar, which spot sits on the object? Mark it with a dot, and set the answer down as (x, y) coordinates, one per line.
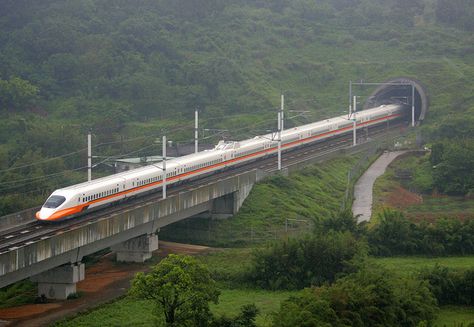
(228, 205)
(60, 282)
(137, 249)
(224, 207)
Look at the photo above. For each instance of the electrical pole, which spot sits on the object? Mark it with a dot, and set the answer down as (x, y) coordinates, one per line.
(196, 126)
(164, 166)
(89, 156)
(350, 99)
(354, 120)
(279, 140)
(412, 105)
(282, 112)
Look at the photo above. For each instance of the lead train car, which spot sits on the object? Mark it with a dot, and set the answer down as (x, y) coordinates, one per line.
(77, 199)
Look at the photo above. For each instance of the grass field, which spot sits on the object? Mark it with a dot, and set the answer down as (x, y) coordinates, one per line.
(391, 190)
(405, 266)
(229, 266)
(129, 312)
(455, 316)
(17, 294)
(267, 302)
(446, 206)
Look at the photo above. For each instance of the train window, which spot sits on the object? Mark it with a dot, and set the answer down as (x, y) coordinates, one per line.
(54, 201)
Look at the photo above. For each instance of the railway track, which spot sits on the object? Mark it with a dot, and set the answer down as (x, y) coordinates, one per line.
(29, 233)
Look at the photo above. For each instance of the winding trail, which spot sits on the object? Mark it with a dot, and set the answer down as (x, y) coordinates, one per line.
(363, 190)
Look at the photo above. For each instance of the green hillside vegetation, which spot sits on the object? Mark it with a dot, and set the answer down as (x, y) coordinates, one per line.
(443, 181)
(128, 70)
(303, 197)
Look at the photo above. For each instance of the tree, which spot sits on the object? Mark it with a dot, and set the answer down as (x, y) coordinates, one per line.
(181, 289)
(393, 235)
(295, 264)
(246, 318)
(454, 171)
(343, 221)
(17, 93)
(370, 297)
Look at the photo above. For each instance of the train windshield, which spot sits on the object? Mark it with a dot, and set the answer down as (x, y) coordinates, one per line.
(54, 201)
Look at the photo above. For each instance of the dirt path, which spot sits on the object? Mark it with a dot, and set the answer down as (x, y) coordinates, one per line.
(363, 190)
(105, 281)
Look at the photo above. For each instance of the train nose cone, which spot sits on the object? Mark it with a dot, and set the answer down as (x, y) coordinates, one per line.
(43, 214)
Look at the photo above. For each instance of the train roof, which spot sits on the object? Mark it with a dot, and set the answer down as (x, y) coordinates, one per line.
(208, 154)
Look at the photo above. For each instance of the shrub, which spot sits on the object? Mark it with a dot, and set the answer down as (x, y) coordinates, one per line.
(370, 297)
(295, 264)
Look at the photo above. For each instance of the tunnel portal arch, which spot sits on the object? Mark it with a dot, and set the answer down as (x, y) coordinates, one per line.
(387, 93)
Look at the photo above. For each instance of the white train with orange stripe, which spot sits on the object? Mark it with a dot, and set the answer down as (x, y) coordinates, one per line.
(77, 199)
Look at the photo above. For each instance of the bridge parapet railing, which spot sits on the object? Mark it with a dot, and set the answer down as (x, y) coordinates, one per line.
(18, 218)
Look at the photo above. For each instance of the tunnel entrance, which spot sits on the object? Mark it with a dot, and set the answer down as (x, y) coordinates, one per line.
(391, 92)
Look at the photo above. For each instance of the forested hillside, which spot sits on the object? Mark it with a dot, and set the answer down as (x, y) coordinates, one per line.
(128, 69)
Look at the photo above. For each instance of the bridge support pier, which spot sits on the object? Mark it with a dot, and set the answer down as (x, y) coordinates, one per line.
(228, 205)
(60, 282)
(137, 249)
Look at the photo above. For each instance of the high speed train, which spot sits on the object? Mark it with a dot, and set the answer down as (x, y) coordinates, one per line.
(78, 199)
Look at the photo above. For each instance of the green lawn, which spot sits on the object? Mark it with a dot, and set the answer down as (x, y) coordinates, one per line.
(267, 302)
(124, 312)
(455, 316)
(129, 312)
(409, 265)
(228, 267)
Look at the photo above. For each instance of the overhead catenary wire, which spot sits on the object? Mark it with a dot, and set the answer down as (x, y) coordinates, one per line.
(33, 179)
(236, 132)
(171, 130)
